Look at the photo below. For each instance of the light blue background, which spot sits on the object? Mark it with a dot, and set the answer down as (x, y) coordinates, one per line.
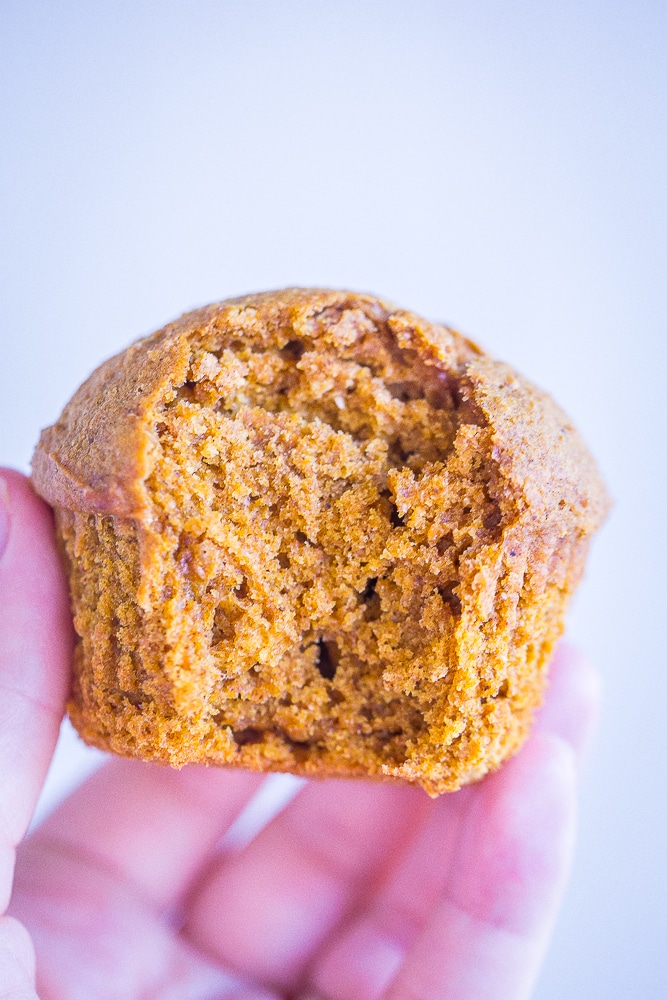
(498, 165)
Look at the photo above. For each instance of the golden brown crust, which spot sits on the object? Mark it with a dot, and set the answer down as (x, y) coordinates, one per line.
(310, 531)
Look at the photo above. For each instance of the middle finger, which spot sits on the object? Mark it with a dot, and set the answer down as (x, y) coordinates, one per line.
(266, 911)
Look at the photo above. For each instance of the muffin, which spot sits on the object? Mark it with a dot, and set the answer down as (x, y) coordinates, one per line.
(309, 531)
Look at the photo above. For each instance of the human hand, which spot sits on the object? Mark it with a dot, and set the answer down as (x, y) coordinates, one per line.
(354, 892)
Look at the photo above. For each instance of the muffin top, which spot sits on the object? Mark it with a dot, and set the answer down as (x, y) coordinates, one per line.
(335, 349)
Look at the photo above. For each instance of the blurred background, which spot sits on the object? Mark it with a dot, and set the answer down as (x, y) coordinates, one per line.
(497, 165)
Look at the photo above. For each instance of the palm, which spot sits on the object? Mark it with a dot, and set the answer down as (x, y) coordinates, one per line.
(353, 892)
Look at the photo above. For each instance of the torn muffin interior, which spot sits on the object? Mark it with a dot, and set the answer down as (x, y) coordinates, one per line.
(313, 492)
(308, 531)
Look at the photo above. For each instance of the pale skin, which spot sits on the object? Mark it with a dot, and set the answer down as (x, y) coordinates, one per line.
(354, 892)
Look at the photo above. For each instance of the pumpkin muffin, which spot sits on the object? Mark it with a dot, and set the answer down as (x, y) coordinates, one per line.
(309, 531)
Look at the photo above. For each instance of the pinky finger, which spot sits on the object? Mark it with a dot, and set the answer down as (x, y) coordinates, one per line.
(487, 936)
(468, 912)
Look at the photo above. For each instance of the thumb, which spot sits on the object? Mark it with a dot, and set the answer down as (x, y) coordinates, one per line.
(35, 654)
(35, 651)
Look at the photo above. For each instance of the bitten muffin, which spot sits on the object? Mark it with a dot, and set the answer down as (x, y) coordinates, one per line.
(309, 531)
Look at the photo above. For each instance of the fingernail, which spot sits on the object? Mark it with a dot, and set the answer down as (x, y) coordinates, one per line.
(4, 516)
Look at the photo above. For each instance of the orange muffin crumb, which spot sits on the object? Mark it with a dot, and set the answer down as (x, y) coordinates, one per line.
(309, 531)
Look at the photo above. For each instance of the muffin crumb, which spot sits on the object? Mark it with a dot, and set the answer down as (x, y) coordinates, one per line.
(308, 531)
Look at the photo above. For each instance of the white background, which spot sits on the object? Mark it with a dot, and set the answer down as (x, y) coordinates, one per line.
(498, 165)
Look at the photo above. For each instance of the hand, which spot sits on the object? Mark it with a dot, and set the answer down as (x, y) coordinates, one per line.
(354, 892)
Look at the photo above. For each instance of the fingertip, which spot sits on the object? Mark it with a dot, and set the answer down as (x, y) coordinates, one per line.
(20, 497)
(569, 658)
(12, 479)
(30, 550)
(34, 598)
(572, 701)
(27, 531)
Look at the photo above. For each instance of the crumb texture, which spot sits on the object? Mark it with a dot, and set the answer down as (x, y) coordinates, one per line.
(309, 531)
